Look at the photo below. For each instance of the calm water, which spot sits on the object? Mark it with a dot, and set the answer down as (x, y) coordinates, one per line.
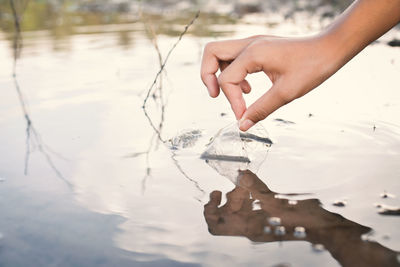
(88, 183)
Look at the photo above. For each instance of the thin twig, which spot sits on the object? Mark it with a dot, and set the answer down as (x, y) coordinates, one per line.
(149, 91)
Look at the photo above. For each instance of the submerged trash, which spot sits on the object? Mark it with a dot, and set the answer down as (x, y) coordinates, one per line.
(318, 247)
(299, 232)
(274, 221)
(232, 150)
(185, 139)
(280, 230)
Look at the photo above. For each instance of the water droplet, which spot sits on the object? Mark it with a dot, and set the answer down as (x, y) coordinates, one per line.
(280, 230)
(339, 203)
(256, 205)
(299, 232)
(274, 221)
(318, 247)
(292, 202)
(267, 229)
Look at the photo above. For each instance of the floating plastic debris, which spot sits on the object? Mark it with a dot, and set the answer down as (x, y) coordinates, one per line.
(318, 248)
(185, 139)
(386, 195)
(256, 205)
(267, 229)
(232, 150)
(274, 221)
(280, 230)
(339, 203)
(292, 202)
(299, 232)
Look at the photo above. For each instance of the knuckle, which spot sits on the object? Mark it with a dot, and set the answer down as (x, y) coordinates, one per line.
(209, 47)
(259, 115)
(222, 79)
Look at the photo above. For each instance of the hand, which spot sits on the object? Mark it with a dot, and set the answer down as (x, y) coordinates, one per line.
(294, 65)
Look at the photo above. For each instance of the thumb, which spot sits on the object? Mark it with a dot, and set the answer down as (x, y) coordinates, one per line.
(273, 99)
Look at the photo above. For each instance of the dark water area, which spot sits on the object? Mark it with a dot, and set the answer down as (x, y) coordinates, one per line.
(90, 178)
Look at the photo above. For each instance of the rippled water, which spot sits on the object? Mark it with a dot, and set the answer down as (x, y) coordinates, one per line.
(101, 189)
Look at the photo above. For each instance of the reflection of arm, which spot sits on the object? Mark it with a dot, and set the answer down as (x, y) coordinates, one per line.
(341, 237)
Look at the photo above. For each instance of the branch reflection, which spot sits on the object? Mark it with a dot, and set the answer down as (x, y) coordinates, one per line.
(253, 211)
(33, 138)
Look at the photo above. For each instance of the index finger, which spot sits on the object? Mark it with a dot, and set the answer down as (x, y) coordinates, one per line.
(215, 52)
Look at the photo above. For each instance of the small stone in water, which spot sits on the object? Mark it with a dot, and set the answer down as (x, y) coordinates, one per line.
(292, 202)
(339, 203)
(389, 211)
(318, 247)
(280, 230)
(267, 229)
(299, 232)
(387, 195)
(274, 221)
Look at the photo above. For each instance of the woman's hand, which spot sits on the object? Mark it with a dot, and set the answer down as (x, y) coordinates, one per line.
(294, 65)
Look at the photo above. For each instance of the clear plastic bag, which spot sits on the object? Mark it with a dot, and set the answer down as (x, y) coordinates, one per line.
(231, 150)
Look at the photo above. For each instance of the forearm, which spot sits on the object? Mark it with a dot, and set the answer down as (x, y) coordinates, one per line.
(362, 23)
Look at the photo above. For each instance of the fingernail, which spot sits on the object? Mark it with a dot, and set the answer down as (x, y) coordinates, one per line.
(245, 124)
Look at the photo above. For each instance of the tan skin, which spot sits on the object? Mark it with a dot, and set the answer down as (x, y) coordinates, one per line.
(294, 65)
(341, 237)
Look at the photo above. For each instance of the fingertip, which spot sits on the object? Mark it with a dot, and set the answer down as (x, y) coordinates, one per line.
(245, 124)
(211, 83)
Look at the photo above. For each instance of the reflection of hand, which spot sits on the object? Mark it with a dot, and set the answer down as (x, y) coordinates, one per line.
(294, 65)
(341, 237)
